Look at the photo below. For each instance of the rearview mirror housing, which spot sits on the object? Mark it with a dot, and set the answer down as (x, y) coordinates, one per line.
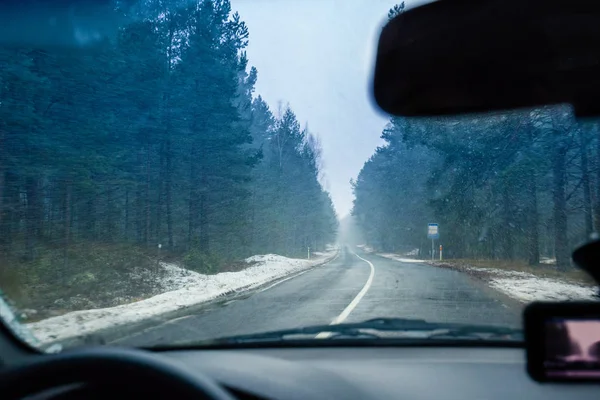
(453, 57)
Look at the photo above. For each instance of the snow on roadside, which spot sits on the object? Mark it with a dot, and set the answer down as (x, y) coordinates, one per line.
(186, 288)
(365, 248)
(527, 287)
(530, 288)
(521, 286)
(400, 258)
(394, 256)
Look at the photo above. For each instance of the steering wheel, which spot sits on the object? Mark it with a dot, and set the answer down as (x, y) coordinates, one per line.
(125, 368)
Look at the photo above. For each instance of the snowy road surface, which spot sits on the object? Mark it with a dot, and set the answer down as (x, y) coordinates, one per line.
(353, 287)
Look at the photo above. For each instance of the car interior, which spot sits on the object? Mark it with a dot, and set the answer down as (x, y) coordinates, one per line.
(445, 57)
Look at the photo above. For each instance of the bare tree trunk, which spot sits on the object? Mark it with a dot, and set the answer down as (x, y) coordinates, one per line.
(193, 201)
(139, 203)
(33, 216)
(204, 235)
(11, 209)
(51, 215)
(110, 217)
(160, 200)
(252, 230)
(67, 228)
(168, 192)
(4, 234)
(561, 248)
(507, 240)
(147, 199)
(533, 251)
(126, 227)
(3, 214)
(168, 145)
(585, 178)
(89, 224)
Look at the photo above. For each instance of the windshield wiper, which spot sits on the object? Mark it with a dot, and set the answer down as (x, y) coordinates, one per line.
(369, 328)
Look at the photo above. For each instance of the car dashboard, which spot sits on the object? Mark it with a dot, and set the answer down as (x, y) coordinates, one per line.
(376, 373)
(404, 372)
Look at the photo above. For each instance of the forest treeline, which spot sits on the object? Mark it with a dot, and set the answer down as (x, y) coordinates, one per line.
(154, 137)
(516, 185)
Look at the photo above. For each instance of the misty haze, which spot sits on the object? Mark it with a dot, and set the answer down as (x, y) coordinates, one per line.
(218, 168)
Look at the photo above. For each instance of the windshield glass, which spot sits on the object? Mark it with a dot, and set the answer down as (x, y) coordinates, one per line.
(173, 171)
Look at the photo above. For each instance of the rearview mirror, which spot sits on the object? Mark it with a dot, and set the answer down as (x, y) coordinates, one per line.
(452, 57)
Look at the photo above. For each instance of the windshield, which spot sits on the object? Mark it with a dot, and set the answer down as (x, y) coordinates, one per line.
(173, 171)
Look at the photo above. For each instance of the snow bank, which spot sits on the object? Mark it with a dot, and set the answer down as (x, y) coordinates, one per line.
(400, 258)
(528, 287)
(186, 288)
(365, 248)
(394, 256)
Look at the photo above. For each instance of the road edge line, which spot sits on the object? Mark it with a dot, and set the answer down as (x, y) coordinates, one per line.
(350, 307)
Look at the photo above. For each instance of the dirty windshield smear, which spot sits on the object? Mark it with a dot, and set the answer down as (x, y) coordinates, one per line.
(150, 173)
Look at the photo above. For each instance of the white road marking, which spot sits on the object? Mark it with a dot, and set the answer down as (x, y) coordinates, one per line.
(340, 318)
(178, 319)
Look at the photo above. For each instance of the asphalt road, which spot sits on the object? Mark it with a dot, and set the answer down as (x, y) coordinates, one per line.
(351, 288)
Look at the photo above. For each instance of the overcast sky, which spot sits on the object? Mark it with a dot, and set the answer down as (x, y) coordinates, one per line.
(317, 55)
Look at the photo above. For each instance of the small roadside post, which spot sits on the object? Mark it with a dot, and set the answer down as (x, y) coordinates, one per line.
(433, 233)
(309, 252)
(440, 252)
(158, 258)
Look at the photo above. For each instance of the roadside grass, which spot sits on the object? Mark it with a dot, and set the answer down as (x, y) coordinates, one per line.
(88, 275)
(93, 275)
(572, 274)
(48, 282)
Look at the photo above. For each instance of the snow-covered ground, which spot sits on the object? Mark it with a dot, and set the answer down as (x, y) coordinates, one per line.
(186, 288)
(400, 258)
(365, 248)
(527, 287)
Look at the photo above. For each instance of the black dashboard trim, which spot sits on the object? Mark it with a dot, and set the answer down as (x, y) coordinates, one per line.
(351, 343)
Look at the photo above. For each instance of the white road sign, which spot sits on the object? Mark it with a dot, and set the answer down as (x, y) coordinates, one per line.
(433, 231)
